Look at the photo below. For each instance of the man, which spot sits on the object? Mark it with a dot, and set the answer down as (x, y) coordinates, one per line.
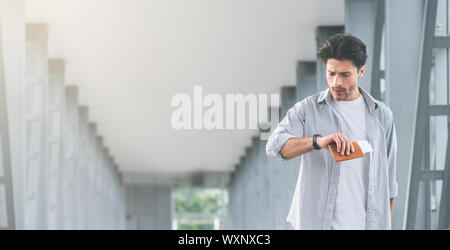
(353, 194)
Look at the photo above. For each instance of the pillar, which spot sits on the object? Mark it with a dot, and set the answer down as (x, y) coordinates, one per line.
(12, 21)
(71, 156)
(322, 34)
(36, 172)
(360, 22)
(403, 36)
(54, 131)
(306, 79)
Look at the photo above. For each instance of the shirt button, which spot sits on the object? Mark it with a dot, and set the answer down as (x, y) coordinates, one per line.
(369, 211)
(370, 190)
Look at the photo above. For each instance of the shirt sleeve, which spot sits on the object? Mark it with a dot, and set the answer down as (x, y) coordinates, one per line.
(391, 139)
(291, 126)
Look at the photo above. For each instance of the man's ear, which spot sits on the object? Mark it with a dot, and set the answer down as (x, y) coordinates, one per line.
(362, 70)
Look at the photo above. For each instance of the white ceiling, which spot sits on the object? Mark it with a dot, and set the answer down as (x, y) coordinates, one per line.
(129, 57)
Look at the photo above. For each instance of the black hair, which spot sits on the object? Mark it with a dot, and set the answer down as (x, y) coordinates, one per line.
(344, 47)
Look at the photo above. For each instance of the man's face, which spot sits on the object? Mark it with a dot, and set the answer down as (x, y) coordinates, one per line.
(342, 78)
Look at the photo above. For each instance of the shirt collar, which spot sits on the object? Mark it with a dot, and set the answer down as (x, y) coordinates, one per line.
(325, 96)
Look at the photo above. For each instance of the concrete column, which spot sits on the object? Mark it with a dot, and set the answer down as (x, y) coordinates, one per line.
(247, 203)
(54, 131)
(104, 194)
(111, 190)
(275, 180)
(163, 203)
(266, 187)
(72, 155)
(12, 21)
(104, 186)
(289, 168)
(6, 182)
(121, 203)
(36, 72)
(243, 187)
(263, 184)
(236, 211)
(256, 182)
(107, 185)
(6, 197)
(306, 79)
(231, 194)
(91, 180)
(82, 170)
(240, 195)
(246, 189)
(360, 22)
(98, 179)
(322, 34)
(132, 216)
(149, 207)
(250, 198)
(403, 36)
(231, 204)
(116, 203)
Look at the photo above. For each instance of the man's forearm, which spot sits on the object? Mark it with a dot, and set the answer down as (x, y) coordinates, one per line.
(296, 146)
(392, 204)
(301, 145)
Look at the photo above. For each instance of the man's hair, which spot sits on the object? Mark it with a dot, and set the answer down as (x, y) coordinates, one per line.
(344, 47)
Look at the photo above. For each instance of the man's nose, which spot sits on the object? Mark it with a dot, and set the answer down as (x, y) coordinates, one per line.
(337, 81)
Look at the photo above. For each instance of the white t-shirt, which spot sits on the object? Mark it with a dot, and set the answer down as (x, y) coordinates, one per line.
(351, 198)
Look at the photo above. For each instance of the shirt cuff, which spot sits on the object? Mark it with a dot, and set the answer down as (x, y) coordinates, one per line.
(393, 190)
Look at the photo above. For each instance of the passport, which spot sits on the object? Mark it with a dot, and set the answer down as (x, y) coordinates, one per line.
(361, 147)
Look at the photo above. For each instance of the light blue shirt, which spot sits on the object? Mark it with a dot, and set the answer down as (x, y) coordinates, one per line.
(315, 194)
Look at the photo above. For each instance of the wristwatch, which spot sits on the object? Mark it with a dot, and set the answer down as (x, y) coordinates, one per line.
(314, 141)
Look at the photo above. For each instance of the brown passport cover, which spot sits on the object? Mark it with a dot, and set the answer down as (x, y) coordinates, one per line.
(338, 157)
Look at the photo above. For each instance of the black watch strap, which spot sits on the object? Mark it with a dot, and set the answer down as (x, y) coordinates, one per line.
(314, 142)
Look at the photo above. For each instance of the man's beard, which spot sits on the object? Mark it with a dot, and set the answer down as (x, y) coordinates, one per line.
(345, 92)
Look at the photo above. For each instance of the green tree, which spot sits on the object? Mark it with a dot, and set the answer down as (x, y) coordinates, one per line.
(198, 201)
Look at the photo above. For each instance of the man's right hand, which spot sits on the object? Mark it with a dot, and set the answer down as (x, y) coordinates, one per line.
(344, 145)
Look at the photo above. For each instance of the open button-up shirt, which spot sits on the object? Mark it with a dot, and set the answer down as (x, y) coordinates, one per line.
(314, 198)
